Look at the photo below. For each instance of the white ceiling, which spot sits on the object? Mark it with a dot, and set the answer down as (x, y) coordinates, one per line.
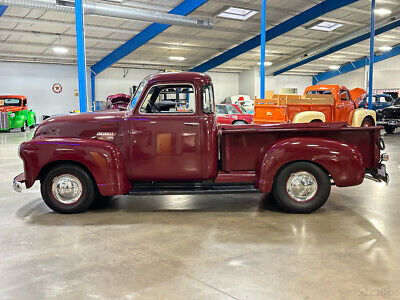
(30, 34)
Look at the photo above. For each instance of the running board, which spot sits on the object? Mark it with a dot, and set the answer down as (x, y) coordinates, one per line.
(190, 188)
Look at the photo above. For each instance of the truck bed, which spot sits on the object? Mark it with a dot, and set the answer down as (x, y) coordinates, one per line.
(242, 146)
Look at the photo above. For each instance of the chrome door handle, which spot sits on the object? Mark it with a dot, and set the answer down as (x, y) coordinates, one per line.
(191, 124)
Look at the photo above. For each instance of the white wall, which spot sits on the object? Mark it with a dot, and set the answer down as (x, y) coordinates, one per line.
(249, 82)
(34, 80)
(386, 76)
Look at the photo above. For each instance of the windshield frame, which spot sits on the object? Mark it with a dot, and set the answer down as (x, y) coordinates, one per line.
(136, 95)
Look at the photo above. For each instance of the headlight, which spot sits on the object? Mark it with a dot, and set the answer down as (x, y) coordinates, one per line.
(12, 115)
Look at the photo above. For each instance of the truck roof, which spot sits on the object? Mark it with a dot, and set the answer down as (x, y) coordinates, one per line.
(179, 76)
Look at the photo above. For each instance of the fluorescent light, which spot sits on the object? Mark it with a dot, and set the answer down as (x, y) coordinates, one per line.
(237, 13)
(178, 58)
(382, 11)
(334, 67)
(385, 48)
(325, 26)
(267, 63)
(60, 50)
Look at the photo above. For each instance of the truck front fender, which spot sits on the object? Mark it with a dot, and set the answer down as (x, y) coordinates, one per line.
(342, 161)
(308, 116)
(358, 115)
(101, 158)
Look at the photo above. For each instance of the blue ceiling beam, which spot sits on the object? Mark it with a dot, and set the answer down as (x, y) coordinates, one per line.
(339, 47)
(282, 28)
(3, 9)
(358, 64)
(183, 9)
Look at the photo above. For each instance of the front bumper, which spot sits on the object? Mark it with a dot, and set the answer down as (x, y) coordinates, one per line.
(18, 182)
(393, 122)
(378, 175)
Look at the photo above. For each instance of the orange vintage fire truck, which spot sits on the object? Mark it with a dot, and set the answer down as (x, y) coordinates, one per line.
(320, 103)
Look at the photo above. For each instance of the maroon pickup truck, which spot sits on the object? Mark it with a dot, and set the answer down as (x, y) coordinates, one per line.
(169, 142)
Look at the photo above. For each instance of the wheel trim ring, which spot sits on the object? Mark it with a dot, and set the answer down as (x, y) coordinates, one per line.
(56, 191)
(310, 196)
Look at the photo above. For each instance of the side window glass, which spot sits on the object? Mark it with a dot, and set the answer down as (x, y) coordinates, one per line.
(232, 110)
(208, 99)
(164, 99)
(344, 96)
(221, 110)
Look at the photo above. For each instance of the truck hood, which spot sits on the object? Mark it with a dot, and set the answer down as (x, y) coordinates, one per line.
(85, 125)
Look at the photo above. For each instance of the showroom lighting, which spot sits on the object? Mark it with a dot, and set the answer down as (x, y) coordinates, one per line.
(334, 67)
(382, 11)
(325, 26)
(178, 58)
(60, 50)
(385, 48)
(267, 63)
(237, 13)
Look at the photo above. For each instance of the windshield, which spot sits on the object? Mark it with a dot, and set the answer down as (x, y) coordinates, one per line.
(10, 102)
(137, 94)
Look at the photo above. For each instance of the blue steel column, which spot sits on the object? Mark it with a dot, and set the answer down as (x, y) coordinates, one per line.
(93, 87)
(371, 55)
(80, 48)
(262, 60)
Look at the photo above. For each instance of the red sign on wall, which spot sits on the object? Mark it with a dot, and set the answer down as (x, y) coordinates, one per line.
(57, 88)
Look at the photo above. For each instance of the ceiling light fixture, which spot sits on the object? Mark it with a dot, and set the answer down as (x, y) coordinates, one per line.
(385, 48)
(324, 26)
(237, 13)
(60, 50)
(178, 58)
(334, 67)
(383, 11)
(267, 63)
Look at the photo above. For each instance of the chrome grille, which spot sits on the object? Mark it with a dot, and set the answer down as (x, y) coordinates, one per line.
(4, 120)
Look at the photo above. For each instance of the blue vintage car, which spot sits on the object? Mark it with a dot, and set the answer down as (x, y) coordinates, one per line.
(378, 101)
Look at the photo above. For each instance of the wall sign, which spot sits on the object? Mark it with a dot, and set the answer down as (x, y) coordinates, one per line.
(57, 88)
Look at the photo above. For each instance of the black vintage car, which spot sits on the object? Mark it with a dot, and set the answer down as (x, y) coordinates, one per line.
(389, 116)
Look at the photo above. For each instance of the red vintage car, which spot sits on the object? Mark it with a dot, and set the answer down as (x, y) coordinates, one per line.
(118, 101)
(159, 148)
(232, 114)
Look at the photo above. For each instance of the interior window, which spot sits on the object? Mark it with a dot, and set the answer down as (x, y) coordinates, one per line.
(221, 110)
(344, 95)
(169, 99)
(208, 99)
(232, 109)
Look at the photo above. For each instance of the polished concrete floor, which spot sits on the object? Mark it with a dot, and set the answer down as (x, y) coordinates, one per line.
(200, 247)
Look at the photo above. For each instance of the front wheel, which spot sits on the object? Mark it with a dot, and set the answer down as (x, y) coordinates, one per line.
(239, 122)
(301, 187)
(390, 128)
(24, 127)
(68, 189)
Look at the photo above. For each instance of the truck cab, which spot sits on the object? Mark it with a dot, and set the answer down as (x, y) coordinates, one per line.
(14, 113)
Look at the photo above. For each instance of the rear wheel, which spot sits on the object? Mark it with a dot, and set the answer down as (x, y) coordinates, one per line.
(34, 123)
(390, 128)
(239, 122)
(367, 122)
(68, 189)
(301, 187)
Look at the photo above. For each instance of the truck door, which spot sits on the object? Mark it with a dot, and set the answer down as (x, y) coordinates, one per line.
(344, 106)
(165, 141)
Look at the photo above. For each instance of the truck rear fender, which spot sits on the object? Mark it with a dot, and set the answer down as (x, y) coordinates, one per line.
(343, 162)
(101, 158)
(358, 115)
(309, 116)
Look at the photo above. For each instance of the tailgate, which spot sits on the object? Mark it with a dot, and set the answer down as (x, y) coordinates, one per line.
(269, 113)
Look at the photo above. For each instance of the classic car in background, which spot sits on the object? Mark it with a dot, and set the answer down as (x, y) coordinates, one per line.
(14, 113)
(320, 103)
(242, 100)
(118, 101)
(389, 116)
(233, 114)
(378, 101)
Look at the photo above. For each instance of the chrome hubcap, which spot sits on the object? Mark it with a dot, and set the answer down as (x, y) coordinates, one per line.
(66, 188)
(301, 186)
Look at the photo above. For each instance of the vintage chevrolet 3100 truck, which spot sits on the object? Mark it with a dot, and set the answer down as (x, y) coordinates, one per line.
(157, 147)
